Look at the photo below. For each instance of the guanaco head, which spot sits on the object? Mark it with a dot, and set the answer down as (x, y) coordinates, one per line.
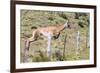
(67, 25)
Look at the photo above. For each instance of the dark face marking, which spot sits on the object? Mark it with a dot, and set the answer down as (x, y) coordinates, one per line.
(69, 26)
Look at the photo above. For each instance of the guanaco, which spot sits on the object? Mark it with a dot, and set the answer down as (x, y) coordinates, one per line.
(49, 32)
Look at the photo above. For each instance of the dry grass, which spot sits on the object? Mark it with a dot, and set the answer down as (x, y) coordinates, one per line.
(37, 52)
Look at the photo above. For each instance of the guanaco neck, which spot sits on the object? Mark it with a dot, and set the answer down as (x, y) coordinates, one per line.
(60, 28)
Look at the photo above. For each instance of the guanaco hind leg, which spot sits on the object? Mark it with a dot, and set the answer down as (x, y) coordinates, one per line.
(27, 45)
(31, 39)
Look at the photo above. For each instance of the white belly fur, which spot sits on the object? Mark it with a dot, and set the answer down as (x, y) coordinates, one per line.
(46, 34)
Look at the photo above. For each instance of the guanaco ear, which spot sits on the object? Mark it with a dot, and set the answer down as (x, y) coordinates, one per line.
(66, 24)
(67, 21)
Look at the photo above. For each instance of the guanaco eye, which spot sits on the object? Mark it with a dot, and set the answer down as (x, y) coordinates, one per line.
(68, 26)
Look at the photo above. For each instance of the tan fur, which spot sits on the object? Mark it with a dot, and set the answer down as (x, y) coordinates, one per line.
(52, 31)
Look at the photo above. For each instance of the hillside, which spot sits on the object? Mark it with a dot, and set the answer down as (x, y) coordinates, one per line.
(37, 53)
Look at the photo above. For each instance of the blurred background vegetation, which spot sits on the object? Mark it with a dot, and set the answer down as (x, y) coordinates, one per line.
(37, 52)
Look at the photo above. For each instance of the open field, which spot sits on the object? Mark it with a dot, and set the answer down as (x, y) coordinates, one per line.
(37, 52)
